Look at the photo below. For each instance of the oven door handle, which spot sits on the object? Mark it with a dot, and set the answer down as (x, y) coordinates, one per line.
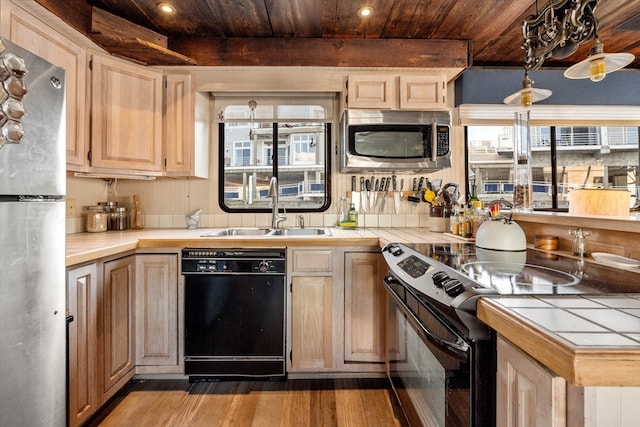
(459, 348)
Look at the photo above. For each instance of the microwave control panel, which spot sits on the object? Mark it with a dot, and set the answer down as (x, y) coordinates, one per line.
(442, 135)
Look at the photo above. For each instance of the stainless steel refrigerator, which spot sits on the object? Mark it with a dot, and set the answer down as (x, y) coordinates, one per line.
(32, 241)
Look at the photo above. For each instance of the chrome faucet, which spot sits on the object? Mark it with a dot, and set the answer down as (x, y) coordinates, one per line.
(276, 216)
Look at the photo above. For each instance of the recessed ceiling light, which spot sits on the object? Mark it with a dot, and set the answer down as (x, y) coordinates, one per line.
(365, 11)
(166, 7)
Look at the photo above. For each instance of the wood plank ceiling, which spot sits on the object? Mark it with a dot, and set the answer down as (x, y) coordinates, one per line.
(400, 33)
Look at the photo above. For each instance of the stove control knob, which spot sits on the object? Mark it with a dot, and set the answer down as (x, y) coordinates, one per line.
(263, 266)
(453, 287)
(439, 278)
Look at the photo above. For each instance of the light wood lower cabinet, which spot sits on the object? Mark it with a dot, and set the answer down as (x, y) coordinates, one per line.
(82, 304)
(118, 323)
(311, 309)
(365, 305)
(156, 312)
(527, 394)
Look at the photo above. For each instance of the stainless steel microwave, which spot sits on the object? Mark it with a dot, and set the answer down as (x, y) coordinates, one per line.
(390, 141)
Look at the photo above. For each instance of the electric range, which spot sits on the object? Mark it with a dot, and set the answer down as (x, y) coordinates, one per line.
(441, 359)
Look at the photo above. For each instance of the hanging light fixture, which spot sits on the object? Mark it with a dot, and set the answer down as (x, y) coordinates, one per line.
(598, 64)
(528, 94)
(558, 29)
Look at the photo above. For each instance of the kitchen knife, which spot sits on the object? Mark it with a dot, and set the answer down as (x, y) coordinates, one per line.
(414, 199)
(364, 197)
(380, 195)
(385, 191)
(396, 195)
(355, 195)
(374, 194)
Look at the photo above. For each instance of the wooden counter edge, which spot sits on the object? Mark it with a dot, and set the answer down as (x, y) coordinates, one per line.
(598, 366)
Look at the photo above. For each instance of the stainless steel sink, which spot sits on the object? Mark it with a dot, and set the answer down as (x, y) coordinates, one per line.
(238, 232)
(308, 231)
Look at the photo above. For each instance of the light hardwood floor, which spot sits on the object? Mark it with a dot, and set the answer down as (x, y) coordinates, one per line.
(299, 403)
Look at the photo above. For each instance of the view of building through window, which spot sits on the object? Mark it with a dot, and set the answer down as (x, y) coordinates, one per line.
(586, 157)
(299, 136)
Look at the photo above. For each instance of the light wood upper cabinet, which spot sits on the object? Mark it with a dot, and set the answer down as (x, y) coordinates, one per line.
(36, 36)
(371, 91)
(423, 92)
(177, 126)
(118, 324)
(156, 305)
(365, 307)
(82, 304)
(126, 116)
(420, 92)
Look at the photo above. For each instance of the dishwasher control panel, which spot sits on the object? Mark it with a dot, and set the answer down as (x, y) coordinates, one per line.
(229, 261)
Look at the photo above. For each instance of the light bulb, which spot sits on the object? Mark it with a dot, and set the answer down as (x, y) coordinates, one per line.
(597, 69)
(526, 99)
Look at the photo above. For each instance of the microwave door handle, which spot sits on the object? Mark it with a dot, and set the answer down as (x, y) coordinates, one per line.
(434, 142)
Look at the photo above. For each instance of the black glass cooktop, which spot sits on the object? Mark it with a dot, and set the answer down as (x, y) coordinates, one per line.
(532, 271)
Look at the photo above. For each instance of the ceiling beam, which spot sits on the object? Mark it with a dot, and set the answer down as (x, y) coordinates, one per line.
(327, 52)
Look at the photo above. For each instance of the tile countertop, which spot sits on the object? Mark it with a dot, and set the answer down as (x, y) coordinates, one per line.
(589, 341)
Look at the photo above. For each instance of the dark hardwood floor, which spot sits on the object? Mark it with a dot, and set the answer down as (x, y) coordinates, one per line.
(299, 403)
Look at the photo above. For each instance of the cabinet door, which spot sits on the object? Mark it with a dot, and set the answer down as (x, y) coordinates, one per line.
(423, 92)
(178, 125)
(82, 303)
(117, 315)
(311, 323)
(371, 91)
(527, 394)
(157, 310)
(364, 307)
(126, 121)
(35, 36)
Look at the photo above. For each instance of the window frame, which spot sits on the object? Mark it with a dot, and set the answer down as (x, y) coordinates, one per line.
(276, 143)
(554, 130)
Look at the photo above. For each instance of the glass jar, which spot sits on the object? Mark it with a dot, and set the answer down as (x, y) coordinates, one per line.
(109, 208)
(96, 219)
(118, 219)
(522, 185)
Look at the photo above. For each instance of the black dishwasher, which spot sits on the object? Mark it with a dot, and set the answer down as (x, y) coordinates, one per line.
(234, 313)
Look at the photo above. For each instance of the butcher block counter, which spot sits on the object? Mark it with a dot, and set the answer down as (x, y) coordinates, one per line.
(589, 341)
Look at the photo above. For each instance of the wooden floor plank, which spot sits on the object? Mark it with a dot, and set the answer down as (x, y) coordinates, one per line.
(299, 403)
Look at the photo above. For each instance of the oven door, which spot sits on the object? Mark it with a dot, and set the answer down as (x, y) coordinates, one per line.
(428, 363)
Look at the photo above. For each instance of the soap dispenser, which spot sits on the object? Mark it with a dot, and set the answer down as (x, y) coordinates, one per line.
(578, 246)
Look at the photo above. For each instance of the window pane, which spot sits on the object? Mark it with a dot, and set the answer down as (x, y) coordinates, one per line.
(587, 156)
(605, 157)
(248, 159)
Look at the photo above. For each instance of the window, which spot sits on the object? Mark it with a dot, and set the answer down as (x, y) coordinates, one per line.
(287, 137)
(585, 156)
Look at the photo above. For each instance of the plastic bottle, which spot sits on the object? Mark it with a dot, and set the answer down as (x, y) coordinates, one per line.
(353, 214)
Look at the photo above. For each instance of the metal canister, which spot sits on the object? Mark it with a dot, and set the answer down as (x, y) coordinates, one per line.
(96, 219)
(118, 218)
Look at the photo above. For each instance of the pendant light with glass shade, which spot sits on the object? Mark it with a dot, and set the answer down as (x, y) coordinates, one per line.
(528, 94)
(598, 64)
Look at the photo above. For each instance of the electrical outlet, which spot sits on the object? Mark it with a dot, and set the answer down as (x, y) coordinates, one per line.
(71, 207)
